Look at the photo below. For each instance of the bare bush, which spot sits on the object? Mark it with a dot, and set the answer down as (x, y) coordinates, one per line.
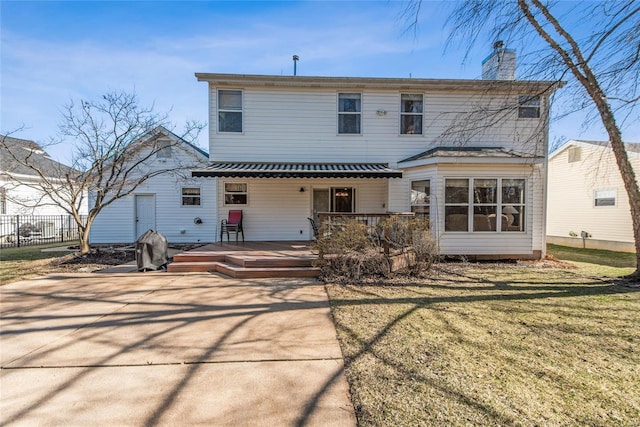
(348, 254)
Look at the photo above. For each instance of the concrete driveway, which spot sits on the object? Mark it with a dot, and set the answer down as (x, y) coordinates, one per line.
(145, 349)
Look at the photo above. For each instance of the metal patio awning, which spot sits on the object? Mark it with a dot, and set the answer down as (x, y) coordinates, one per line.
(297, 170)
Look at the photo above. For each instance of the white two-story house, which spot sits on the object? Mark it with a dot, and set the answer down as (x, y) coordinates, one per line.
(468, 154)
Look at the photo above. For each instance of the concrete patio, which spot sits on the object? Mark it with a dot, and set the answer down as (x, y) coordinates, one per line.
(142, 349)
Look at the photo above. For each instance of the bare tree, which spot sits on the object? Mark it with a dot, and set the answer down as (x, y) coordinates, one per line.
(114, 142)
(600, 59)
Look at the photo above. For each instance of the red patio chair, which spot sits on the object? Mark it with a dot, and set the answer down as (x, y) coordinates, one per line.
(233, 224)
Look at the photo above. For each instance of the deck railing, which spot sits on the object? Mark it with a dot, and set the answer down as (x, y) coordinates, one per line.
(330, 221)
(28, 230)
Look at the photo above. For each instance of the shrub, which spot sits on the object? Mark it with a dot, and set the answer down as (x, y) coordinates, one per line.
(348, 253)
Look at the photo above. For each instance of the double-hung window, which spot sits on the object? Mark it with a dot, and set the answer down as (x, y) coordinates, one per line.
(411, 110)
(190, 196)
(528, 107)
(349, 113)
(229, 110)
(235, 193)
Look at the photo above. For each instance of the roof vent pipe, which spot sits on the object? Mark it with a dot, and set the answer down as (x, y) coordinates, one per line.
(296, 58)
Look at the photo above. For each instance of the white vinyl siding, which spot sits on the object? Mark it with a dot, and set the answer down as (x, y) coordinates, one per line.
(279, 211)
(572, 190)
(116, 222)
(303, 127)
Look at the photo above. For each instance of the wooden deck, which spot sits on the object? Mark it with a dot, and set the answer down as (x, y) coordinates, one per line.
(249, 259)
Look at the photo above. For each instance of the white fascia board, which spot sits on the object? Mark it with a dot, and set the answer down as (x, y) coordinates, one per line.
(470, 160)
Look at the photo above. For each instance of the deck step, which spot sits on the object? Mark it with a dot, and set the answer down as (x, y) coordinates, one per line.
(198, 257)
(272, 272)
(261, 262)
(192, 267)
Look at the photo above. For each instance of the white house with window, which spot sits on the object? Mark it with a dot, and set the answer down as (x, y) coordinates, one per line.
(586, 194)
(470, 155)
(173, 203)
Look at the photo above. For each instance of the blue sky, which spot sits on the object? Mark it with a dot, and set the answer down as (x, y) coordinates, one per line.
(53, 52)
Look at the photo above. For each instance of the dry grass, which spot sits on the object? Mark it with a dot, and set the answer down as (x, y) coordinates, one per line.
(493, 344)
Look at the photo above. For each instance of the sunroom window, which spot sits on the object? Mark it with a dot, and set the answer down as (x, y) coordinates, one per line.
(485, 204)
(421, 198)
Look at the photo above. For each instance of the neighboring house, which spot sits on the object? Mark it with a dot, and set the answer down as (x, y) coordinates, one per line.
(468, 154)
(19, 192)
(586, 194)
(172, 203)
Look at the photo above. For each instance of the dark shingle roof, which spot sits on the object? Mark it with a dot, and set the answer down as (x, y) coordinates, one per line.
(33, 153)
(468, 152)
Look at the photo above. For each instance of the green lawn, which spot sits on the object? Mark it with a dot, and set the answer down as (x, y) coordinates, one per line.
(593, 256)
(493, 344)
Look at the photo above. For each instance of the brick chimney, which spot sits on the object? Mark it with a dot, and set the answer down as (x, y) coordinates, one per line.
(500, 64)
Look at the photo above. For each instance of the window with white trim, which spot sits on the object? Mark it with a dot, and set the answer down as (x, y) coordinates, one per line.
(349, 113)
(456, 204)
(190, 196)
(411, 110)
(605, 197)
(164, 149)
(421, 198)
(229, 110)
(528, 106)
(235, 193)
(485, 204)
(574, 154)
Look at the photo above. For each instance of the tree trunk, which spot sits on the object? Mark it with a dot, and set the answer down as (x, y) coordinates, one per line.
(579, 67)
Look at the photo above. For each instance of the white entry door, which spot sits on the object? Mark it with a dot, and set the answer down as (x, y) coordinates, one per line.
(145, 213)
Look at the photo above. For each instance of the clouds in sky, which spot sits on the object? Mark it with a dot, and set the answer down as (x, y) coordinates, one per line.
(53, 52)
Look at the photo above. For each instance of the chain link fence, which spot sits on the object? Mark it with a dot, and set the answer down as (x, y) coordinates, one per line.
(27, 230)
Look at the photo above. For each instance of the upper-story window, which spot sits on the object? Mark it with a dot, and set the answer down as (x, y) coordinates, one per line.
(164, 149)
(229, 110)
(411, 108)
(574, 154)
(349, 113)
(528, 106)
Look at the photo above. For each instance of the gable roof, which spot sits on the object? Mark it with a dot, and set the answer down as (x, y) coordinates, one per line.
(633, 148)
(25, 149)
(161, 130)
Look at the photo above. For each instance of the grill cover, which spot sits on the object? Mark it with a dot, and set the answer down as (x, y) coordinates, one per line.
(151, 251)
